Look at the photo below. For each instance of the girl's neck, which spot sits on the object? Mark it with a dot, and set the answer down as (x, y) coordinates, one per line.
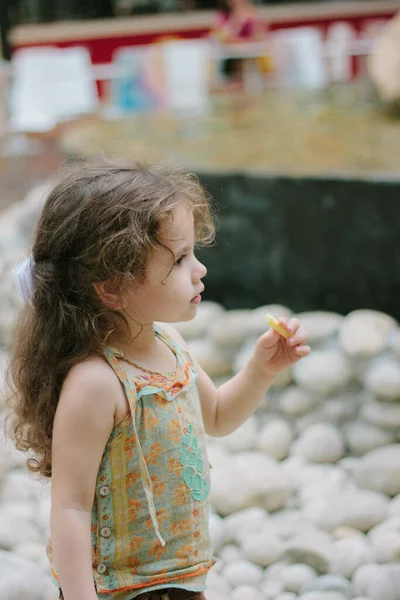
(137, 340)
(144, 351)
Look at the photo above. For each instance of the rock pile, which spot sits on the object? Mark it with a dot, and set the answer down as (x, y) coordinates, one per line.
(305, 495)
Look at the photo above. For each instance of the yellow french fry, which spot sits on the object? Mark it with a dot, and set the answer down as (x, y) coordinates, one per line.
(272, 322)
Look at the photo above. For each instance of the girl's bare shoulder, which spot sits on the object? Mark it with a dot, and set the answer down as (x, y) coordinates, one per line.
(83, 423)
(92, 372)
(90, 386)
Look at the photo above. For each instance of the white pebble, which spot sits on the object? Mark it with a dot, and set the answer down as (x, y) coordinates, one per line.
(323, 372)
(210, 358)
(216, 529)
(15, 530)
(213, 595)
(19, 486)
(34, 551)
(295, 401)
(295, 577)
(379, 470)
(320, 325)
(383, 378)
(394, 506)
(246, 592)
(378, 582)
(360, 509)
(230, 553)
(274, 572)
(242, 573)
(322, 596)
(20, 578)
(320, 443)
(244, 438)
(385, 539)
(365, 332)
(382, 414)
(207, 314)
(348, 554)
(345, 532)
(231, 329)
(271, 589)
(262, 549)
(217, 583)
(312, 547)
(275, 439)
(364, 437)
(243, 523)
(330, 583)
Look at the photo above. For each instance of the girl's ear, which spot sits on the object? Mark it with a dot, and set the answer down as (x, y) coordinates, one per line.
(109, 293)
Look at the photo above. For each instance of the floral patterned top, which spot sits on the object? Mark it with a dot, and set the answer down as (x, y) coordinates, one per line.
(150, 511)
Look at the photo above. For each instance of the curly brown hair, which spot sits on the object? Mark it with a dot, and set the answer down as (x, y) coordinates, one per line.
(99, 221)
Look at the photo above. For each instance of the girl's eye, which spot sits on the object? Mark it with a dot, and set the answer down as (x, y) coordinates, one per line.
(180, 260)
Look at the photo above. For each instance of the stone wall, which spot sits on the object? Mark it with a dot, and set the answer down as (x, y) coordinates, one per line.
(317, 243)
(305, 495)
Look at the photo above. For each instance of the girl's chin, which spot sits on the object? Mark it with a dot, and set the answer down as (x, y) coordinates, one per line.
(190, 314)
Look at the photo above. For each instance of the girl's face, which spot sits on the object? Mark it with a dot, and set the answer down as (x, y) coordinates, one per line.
(171, 289)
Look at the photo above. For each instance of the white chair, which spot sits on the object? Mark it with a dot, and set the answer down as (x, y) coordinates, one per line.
(340, 37)
(4, 92)
(187, 75)
(50, 85)
(300, 58)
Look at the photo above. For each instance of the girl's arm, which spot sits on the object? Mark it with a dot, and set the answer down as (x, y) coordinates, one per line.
(227, 407)
(82, 426)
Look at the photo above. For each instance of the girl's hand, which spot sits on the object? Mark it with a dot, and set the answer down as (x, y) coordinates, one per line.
(274, 353)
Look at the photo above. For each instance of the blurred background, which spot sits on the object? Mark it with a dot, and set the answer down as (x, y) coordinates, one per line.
(289, 113)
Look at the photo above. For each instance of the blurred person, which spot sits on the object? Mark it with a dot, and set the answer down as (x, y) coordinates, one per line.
(237, 21)
(109, 400)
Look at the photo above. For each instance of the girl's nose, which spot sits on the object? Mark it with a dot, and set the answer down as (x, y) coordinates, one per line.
(200, 270)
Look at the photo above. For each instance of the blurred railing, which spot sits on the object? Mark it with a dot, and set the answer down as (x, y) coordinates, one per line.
(300, 57)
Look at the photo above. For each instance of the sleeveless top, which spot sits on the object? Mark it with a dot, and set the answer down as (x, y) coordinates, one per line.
(150, 511)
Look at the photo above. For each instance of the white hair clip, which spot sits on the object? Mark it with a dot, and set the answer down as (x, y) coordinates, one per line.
(23, 279)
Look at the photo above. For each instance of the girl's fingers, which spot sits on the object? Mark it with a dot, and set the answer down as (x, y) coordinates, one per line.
(294, 339)
(299, 338)
(302, 351)
(293, 325)
(284, 322)
(270, 338)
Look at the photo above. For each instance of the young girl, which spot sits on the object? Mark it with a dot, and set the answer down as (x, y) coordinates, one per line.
(110, 402)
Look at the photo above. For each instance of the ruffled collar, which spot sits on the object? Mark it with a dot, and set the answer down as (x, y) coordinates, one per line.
(169, 385)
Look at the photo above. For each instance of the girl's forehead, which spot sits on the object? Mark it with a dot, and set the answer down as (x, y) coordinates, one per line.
(180, 228)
